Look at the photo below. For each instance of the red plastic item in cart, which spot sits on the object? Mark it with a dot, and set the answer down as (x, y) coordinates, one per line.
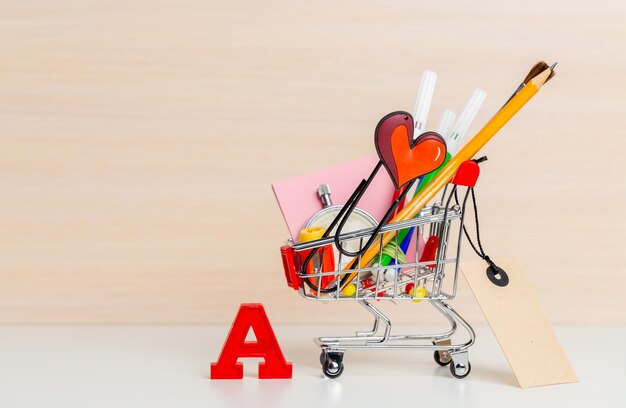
(323, 260)
(251, 315)
(430, 249)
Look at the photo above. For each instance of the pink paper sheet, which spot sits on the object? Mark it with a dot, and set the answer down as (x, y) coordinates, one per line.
(298, 200)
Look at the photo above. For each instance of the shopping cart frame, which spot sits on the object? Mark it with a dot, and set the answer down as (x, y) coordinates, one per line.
(438, 220)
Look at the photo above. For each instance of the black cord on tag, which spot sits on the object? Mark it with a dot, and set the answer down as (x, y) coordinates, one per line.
(496, 275)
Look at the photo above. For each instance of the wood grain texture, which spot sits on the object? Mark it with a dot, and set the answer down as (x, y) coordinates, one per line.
(138, 143)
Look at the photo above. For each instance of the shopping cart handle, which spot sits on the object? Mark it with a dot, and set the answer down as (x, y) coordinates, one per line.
(467, 174)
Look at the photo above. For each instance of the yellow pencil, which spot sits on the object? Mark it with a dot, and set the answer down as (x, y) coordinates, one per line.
(466, 153)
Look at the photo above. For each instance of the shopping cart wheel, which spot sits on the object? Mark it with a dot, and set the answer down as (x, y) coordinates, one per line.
(460, 370)
(442, 357)
(333, 365)
(322, 357)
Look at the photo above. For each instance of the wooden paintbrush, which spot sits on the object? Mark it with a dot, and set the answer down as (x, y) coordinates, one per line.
(537, 69)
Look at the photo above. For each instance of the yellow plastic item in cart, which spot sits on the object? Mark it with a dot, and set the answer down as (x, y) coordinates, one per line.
(311, 233)
(420, 292)
(349, 290)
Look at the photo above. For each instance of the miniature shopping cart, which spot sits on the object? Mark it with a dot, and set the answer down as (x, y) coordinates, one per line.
(431, 276)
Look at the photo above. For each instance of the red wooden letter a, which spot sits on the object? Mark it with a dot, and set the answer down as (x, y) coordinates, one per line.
(251, 315)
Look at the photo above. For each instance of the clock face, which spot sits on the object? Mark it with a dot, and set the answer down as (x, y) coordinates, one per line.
(358, 220)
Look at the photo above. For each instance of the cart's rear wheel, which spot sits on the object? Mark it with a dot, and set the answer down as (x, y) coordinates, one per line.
(460, 370)
(442, 357)
(332, 366)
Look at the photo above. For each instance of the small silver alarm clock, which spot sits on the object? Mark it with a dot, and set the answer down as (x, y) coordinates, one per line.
(358, 220)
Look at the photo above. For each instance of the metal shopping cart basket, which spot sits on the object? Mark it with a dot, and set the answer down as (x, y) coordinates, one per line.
(432, 276)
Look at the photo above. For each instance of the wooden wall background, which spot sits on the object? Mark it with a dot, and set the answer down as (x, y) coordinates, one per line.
(138, 142)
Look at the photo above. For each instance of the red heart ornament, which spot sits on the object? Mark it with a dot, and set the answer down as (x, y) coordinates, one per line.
(404, 158)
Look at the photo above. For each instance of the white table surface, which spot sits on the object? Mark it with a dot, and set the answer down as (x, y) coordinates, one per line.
(168, 366)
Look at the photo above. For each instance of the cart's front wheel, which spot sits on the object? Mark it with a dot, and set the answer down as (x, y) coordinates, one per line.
(332, 367)
(460, 370)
